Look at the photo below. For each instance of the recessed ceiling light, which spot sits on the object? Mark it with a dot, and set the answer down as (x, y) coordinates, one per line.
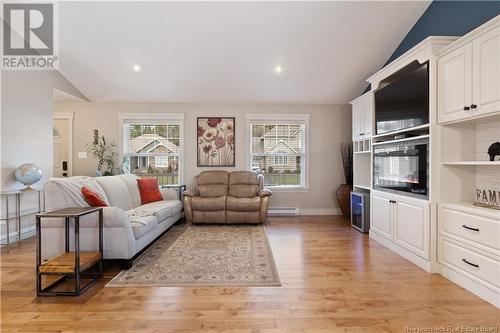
(136, 68)
(278, 69)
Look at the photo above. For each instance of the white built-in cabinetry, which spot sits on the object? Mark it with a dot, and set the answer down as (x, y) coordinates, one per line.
(446, 234)
(362, 116)
(469, 248)
(404, 222)
(469, 76)
(468, 240)
(362, 128)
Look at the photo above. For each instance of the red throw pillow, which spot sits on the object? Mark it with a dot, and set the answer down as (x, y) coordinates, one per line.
(92, 198)
(149, 190)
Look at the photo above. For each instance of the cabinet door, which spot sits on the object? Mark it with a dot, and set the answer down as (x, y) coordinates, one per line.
(356, 121)
(412, 225)
(455, 84)
(368, 108)
(486, 73)
(381, 214)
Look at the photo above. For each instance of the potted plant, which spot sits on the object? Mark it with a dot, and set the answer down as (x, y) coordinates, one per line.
(105, 154)
(344, 190)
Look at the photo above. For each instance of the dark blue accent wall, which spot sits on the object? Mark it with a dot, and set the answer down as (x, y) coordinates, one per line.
(447, 18)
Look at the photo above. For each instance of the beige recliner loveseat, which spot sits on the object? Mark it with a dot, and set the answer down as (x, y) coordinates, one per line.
(227, 197)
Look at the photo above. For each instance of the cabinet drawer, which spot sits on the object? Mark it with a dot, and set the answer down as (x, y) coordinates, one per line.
(471, 262)
(473, 228)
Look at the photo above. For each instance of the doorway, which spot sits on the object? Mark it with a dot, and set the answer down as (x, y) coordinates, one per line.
(62, 136)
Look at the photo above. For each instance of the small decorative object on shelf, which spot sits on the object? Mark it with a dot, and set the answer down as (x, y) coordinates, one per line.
(28, 174)
(487, 198)
(494, 150)
(344, 190)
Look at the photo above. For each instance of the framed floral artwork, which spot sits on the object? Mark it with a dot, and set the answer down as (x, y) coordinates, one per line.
(215, 137)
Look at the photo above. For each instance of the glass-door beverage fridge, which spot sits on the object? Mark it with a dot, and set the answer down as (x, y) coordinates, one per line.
(360, 211)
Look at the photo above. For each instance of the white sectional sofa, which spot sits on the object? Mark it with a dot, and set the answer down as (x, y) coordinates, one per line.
(128, 226)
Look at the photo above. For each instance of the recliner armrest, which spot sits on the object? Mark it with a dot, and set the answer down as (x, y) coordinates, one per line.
(265, 193)
(191, 193)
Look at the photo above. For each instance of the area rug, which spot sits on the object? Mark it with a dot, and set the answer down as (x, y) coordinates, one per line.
(194, 256)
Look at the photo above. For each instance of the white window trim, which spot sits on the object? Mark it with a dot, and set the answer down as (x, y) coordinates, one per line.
(285, 118)
(178, 117)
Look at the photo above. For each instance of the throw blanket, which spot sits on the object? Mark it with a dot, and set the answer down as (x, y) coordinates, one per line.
(72, 188)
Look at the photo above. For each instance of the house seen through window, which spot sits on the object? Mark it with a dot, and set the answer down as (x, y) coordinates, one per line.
(153, 149)
(278, 152)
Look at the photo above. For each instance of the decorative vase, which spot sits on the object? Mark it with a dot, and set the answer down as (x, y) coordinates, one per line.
(343, 198)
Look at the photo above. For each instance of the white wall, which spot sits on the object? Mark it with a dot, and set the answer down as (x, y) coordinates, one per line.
(26, 128)
(329, 125)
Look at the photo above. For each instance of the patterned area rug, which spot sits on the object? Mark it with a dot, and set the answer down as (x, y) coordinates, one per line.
(193, 256)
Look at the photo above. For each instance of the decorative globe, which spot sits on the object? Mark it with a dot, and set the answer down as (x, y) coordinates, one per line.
(28, 174)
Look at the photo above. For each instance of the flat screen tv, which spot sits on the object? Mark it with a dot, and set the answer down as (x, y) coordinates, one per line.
(404, 102)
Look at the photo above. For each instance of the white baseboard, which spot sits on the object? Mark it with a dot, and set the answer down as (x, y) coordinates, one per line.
(320, 211)
(25, 233)
(477, 289)
(417, 260)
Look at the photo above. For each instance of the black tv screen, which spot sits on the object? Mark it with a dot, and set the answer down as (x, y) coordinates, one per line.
(404, 102)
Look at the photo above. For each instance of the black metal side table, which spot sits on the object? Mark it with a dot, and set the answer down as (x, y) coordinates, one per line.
(69, 265)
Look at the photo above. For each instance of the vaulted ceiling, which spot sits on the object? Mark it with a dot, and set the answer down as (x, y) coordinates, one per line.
(224, 52)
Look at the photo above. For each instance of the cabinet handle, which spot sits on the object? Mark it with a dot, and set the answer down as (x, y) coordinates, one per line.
(469, 263)
(361, 134)
(466, 108)
(392, 201)
(473, 106)
(470, 228)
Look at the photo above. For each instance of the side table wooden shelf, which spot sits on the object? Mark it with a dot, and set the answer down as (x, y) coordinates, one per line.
(69, 265)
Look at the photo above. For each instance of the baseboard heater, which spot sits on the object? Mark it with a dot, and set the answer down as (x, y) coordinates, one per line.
(283, 211)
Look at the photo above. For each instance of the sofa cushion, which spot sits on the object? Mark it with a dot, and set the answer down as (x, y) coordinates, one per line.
(213, 184)
(131, 181)
(243, 177)
(92, 198)
(142, 225)
(212, 191)
(243, 184)
(160, 209)
(213, 178)
(116, 191)
(243, 204)
(208, 204)
(243, 191)
(149, 190)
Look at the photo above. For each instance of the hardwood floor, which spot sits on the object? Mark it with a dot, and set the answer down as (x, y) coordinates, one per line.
(334, 279)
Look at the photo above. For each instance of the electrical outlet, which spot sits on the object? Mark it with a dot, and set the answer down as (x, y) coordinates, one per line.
(82, 154)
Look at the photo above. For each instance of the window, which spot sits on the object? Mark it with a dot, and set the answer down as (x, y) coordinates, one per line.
(161, 161)
(152, 147)
(281, 160)
(278, 149)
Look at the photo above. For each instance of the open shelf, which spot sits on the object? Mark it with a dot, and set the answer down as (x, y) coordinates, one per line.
(65, 263)
(473, 163)
(405, 130)
(364, 187)
(470, 208)
(401, 140)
